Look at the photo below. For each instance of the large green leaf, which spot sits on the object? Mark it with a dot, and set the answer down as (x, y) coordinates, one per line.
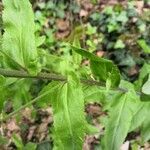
(120, 117)
(102, 68)
(19, 47)
(67, 102)
(69, 120)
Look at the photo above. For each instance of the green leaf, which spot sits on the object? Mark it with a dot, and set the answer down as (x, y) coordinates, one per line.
(69, 120)
(22, 95)
(90, 30)
(97, 94)
(19, 39)
(58, 64)
(44, 146)
(3, 92)
(139, 116)
(145, 131)
(119, 44)
(122, 17)
(17, 141)
(145, 96)
(49, 89)
(3, 140)
(143, 72)
(120, 117)
(146, 87)
(144, 46)
(101, 68)
(40, 40)
(30, 146)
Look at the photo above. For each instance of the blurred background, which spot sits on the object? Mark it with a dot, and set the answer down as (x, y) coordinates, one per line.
(116, 29)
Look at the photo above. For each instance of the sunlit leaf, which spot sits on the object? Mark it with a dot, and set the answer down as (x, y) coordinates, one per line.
(19, 47)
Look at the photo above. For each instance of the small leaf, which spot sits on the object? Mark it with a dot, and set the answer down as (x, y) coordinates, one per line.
(119, 44)
(40, 40)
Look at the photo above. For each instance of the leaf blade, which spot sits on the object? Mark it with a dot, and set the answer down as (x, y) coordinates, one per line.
(19, 39)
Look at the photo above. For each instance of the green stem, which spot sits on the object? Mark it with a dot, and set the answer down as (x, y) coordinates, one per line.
(49, 76)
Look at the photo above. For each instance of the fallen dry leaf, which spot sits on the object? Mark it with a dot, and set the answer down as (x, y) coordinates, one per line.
(133, 71)
(94, 110)
(139, 5)
(62, 25)
(83, 13)
(87, 6)
(12, 125)
(61, 35)
(100, 53)
(31, 132)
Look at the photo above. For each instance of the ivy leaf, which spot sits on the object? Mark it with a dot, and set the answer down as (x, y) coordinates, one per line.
(101, 68)
(119, 44)
(19, 46)
(120, 117)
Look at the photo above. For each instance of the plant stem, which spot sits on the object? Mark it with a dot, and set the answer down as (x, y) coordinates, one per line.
(23, 74)
(48, 76)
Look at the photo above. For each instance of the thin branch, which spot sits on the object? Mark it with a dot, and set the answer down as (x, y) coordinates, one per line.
(49, 76)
